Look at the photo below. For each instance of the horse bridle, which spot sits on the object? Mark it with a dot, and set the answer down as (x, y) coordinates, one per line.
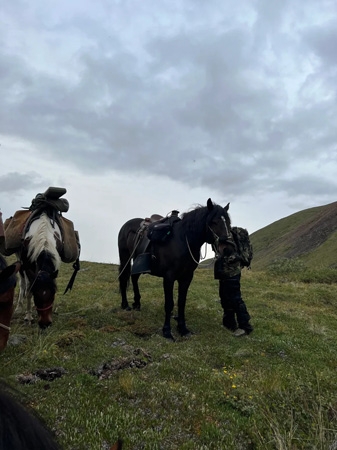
(44, 309)
(215, 244)
(30, 291)
(218, 239)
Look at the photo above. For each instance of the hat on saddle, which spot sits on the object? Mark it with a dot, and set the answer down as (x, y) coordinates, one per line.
(51, 197)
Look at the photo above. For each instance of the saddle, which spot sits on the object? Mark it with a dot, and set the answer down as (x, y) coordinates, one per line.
(15, 227)
(155, 229)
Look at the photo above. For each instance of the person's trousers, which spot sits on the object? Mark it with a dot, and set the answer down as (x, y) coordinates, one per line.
(233, 305)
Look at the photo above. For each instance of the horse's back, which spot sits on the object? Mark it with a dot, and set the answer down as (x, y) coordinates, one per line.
(127, 234)
(131, 226)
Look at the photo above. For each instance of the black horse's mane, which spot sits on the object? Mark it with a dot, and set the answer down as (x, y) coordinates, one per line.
(193, 218)
(198, 212)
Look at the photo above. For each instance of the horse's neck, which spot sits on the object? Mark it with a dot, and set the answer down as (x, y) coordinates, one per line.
(195, 236)
(42, 237)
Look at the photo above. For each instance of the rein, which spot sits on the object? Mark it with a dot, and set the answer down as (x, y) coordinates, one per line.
(197, 262)
(139, 238)
(5, 327)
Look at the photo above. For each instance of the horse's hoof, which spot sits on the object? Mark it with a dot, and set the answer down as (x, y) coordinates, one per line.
(135, 307)
(184, 331)
(28, 322)
(126, 308)
(168, 335)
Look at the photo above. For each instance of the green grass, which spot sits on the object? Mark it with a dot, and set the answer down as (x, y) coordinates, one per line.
(275, 389)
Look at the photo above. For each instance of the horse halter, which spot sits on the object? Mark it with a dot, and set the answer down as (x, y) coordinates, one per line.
(31, 291)
(219, 239)
(44, 309)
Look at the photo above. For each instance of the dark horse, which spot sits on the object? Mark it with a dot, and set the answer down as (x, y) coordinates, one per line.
(173, 260)
(7, 286)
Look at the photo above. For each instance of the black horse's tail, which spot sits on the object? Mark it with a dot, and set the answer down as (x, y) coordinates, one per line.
(125, 257)
(128, 240)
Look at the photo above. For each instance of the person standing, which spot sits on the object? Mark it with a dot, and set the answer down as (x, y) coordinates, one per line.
(235, 254)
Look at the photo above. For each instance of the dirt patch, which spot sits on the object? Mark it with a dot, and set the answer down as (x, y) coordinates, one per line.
(49, 374)
(138, 360)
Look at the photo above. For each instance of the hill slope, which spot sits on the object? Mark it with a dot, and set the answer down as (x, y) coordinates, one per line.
(310, 235)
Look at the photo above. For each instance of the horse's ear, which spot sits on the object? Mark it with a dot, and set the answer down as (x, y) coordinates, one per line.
(226, 208)
(210, 204)
(9, 271)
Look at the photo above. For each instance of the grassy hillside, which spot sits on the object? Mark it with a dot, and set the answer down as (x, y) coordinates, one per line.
(116, 376)
(309, 235)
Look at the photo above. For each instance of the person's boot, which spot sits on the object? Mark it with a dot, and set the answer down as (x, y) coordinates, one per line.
(243, 330)
(243, 317)
(229, 321)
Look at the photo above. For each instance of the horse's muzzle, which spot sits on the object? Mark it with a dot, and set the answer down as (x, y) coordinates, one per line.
(44, 325)
(45, 317)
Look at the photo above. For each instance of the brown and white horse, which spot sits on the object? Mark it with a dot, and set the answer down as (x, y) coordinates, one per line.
(7, 286)
(41, 260)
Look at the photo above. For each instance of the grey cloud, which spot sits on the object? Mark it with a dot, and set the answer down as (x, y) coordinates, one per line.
(202, 105)
(14, 182)
(311, 186)
(321, 40)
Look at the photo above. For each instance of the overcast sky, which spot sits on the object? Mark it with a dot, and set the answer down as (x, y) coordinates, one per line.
(141, 107)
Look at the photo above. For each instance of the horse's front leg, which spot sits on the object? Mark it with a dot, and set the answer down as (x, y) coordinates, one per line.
(169, 304)
(183, 286)
(29, 316)
(25, 298)
(21, 297)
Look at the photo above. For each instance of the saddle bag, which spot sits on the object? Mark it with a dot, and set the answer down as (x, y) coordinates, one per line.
(14, 229)
(71, 241)
(159, 232)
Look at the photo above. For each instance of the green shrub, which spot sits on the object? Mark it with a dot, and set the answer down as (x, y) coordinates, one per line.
(285, 266)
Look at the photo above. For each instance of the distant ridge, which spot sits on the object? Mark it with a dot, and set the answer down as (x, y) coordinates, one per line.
(310, 235)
